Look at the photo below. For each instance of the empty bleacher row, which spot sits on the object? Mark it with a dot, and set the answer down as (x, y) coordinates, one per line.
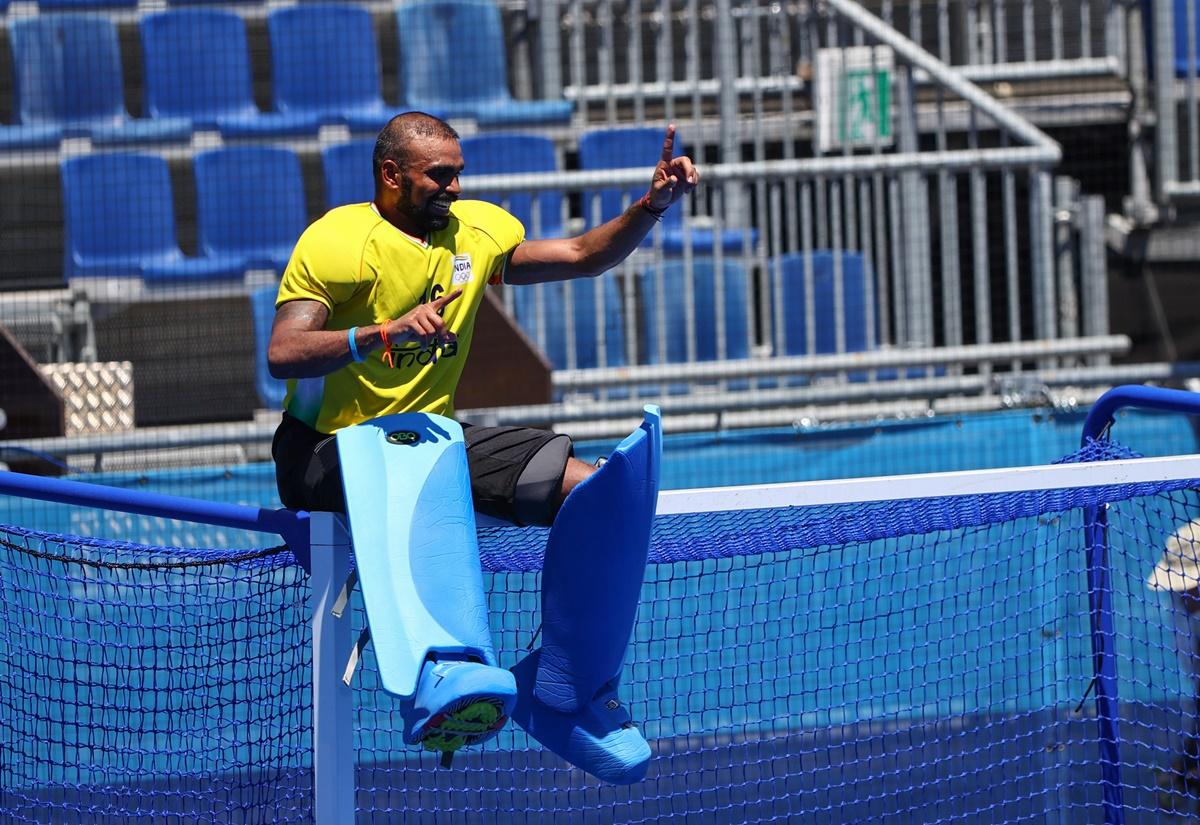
(325, 69)
(222, 81)
(106, 5)
(250, 203)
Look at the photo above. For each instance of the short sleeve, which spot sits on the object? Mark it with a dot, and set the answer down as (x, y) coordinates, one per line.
(326, 266)
(506, 230)
(497, 276)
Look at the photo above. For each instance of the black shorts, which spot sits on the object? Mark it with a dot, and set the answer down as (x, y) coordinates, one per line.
(309, 477)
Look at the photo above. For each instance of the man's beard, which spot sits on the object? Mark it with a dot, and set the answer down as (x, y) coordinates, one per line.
(426, 220)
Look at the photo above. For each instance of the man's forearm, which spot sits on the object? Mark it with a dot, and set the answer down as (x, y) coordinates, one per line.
(589, 254)
(614, 241)
(314, 353)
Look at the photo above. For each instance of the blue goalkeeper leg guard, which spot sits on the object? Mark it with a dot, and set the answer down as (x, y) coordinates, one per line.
(591, 583)
(408, 498)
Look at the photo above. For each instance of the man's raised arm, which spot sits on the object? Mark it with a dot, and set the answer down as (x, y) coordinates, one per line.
(602, 248)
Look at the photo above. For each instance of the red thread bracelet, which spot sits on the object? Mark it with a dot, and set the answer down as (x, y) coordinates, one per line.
(387, 345)
(657, 214)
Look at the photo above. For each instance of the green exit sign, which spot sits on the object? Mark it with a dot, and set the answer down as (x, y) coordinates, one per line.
(854, 97)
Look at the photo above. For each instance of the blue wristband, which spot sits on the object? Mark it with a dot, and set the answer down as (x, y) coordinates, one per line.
(353, 344)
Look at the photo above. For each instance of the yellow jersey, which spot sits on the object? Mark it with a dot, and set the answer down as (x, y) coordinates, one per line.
(366, 271)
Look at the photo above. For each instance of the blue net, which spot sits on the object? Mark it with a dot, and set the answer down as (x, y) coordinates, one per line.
(899, 661)
(152, 685)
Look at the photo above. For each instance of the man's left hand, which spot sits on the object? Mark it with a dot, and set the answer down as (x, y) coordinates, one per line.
(673, 177)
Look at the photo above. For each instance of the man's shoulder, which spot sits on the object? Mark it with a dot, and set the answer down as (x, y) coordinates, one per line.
(343, 228)
(484, 216)
(351, 216)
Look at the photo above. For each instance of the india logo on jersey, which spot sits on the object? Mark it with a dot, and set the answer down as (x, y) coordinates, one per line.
(462, 270)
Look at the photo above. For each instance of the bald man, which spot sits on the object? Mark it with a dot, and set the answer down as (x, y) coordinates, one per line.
(375, 316)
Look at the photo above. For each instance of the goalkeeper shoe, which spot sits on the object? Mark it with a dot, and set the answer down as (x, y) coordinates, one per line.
(599, 738)
(459, 704)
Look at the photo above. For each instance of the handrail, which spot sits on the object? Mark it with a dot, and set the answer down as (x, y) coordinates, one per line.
(1071, 68)
(1136, 395)
(589, 409)
(967, 354)
(290, 525)
(1017, 157)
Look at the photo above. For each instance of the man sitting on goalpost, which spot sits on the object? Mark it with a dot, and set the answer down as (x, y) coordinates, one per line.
(1178, 573)
(375, 315)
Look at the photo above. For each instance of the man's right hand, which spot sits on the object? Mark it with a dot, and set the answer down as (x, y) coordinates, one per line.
(423, 323)
(301, 347)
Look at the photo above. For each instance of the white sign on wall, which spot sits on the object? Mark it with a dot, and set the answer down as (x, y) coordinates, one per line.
(854, 97)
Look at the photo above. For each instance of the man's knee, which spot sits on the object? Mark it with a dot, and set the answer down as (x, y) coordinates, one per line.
(539, 489)
(314, 482)
(575, 473)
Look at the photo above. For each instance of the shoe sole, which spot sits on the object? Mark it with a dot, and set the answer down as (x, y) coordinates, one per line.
(467, 722)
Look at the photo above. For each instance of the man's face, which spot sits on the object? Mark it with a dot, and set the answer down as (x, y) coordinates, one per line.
(429, 184)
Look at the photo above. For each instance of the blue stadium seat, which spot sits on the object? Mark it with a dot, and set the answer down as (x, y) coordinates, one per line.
(67, 74)
(453, 58)
(197, 65)
(1182, 66)
(349, 174)
(120, 222)
(271, 391)
(325, 64)
(640, 147)
(503, 153)
(857, 296)
(583, 299)
(84, 5)
(673, 305)
(250, 203)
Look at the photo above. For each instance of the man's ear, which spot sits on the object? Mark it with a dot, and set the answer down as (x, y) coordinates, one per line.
(391, 174)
